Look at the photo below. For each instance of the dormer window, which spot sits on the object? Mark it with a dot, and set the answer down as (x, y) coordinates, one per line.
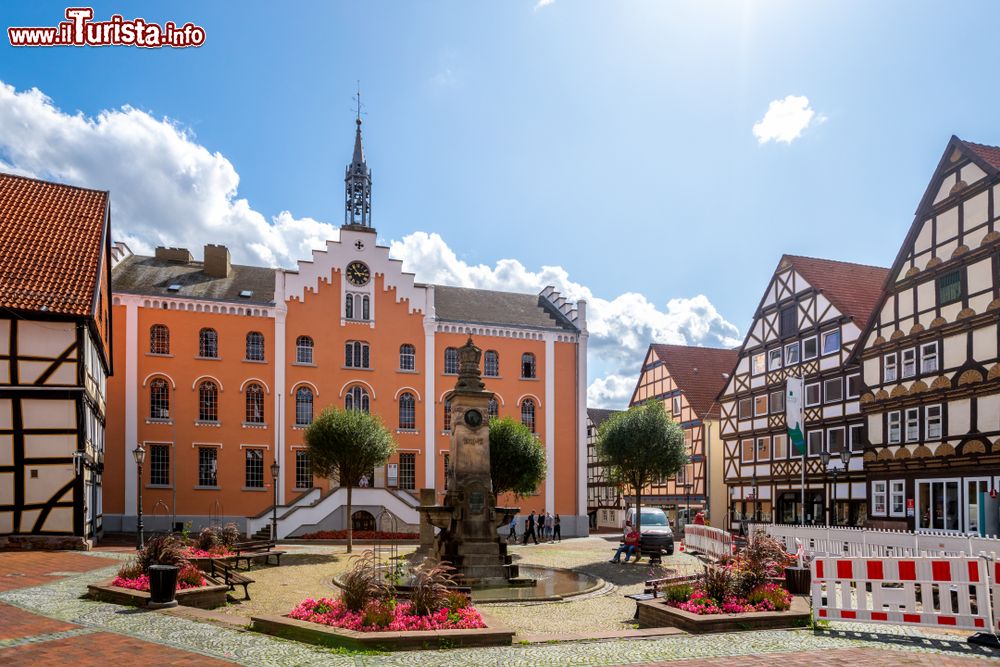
(246, 294)
(174, 287)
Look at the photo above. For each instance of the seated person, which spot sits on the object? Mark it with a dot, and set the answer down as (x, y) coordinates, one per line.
(629, 547)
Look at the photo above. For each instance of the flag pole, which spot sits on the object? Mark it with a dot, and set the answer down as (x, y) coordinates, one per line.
(805, 452)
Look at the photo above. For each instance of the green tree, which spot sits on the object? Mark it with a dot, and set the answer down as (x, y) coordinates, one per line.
(517, 458)
(641, 445)
(347, 443)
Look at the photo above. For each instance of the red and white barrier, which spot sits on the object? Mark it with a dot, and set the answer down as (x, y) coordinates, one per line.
(931, 592)
(707, 540)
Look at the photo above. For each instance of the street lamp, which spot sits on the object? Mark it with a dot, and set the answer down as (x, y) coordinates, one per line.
(845, 458)
(275, 469)
(756, 498)
(139, 454)
(824, 457)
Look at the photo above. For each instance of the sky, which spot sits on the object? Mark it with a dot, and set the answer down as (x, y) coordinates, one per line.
(656, 158)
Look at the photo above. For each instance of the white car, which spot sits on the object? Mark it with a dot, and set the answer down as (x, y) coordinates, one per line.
(654, 530)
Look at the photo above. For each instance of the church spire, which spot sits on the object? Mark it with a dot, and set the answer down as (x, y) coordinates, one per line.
(358, 182)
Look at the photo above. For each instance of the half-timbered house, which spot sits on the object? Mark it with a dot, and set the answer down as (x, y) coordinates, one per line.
(55, 333)
(806, 325)
(604, 497)
(931, 370)
(687, 379)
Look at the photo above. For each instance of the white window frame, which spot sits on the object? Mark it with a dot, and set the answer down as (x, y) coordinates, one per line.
(798, 353)
(912, 353)
(766, 441)
(739, 409)
(743, 450)
(847, 385)
(919, 508)
(814, 341)
(880, 491)
(826, 394)
(824, 336)
(928, 420)
(772, 405)
(675, 405)
(762, 358)
(755, 404)
(911, 418)
(819, 394)
(896, 417)
(809, 437)
(851, 430)
(897, 490)
(774, 441)
(929, 352)
(890, 369)
(773, 365)
(843, 437)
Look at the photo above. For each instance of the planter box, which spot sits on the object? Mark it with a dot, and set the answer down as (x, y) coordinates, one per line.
(325, 635)
(205, 597)
(656, 614)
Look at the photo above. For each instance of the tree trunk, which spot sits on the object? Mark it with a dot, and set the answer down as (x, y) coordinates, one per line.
(350, 520)
(638, 512)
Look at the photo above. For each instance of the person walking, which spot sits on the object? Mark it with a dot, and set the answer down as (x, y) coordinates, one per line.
(529, 528)
(513, 530)
(546, 527)
(557, 533)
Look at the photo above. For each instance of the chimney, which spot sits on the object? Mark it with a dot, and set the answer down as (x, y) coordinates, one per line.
(217, 261)
(182, 255)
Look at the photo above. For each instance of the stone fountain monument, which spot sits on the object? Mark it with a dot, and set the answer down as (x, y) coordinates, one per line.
(469, 518)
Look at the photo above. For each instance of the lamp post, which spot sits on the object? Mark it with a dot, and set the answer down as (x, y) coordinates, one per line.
(845, 458)
(139, 454)
(275, 470)
(756, 499)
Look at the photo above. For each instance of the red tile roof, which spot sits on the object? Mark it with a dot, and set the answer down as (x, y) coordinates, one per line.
(991, 154)
(854, 289)
(700, 372)
(50, 245)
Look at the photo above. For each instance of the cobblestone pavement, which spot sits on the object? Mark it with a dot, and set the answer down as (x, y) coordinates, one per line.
(87, 632)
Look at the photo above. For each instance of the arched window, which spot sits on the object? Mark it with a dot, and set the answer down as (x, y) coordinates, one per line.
(407, 357)
(362, 520)
(255, 346)
(451, 360)
(365, 308)
(356, 399)
(208, 402)
(303, 350)
(303, 406)
(527, 365)
(493, 409)
(208, 344)
(255, 404)
(447, 414)
(528, 413)
(159, 339)
(349, 306)
(357, 307)
(491, 364)
(159, 399)
(407, 411)
(357, 354)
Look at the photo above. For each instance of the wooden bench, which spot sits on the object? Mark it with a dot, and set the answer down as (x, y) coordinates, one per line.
(655, 555)
(256, 550)
(652, 587)
(231, 577)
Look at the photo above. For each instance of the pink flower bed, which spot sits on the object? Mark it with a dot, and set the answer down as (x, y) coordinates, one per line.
(194, 552)
(334, 613)
(701, 604)
(141, 583)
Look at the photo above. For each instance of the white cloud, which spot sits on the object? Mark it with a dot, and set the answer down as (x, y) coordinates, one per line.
(620, 329)
(167, 189)
(543, 3)
(786, 119)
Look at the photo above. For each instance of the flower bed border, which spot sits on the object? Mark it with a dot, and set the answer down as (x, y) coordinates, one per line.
(657, 614)
(325, 635)
(204, 597)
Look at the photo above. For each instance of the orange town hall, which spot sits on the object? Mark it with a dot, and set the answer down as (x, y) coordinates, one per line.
(219, 368)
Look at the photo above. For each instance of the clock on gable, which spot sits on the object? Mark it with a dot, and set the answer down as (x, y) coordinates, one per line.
(358, 274)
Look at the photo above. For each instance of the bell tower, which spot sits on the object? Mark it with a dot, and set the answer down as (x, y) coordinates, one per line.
(358, 184)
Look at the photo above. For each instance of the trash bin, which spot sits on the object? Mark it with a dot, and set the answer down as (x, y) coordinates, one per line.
(797, 580)
(162, 583)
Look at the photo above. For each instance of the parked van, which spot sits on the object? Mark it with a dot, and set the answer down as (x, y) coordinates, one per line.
(654, 530)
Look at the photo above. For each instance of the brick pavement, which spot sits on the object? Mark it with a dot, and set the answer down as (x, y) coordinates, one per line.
(845, 657)
(17, 624)
(20, 569)
(101, 648)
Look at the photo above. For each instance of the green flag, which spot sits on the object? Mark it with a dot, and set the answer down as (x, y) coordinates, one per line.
(793, 415)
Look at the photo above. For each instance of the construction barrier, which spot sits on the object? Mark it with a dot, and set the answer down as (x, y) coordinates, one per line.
(952, 592)
(865, 543)
(707, 540)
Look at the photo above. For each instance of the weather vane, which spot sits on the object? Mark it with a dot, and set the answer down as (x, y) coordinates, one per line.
(359, 105)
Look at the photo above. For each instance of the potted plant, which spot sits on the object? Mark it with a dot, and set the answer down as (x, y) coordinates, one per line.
(798, 577)
(162, 558)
